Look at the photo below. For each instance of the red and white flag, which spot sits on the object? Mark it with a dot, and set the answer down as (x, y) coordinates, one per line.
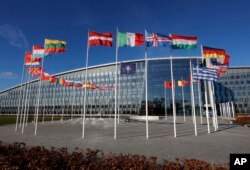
(29, 60)
(103, 39)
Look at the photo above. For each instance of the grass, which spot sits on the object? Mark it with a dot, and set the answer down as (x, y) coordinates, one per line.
(6, 120)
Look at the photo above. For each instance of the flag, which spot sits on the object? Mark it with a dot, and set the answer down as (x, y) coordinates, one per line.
(77, 84)
(128, 68)
(210, 74)
(209, 52)
(103, 39)
(62, 81)
(68, 83)
(86, 85)
(182, 83)
(104, 87)
(54, 46)
(168, 84)
(38, 52)
(52, 79)
(29, 60)
(36, 71)
(183, 42)
(94, 86)
(44, 76)
(130, 39)
(156, 39)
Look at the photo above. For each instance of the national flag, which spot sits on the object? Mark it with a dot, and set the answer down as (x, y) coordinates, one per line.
(209, 52)
(103, 39)
(54, 46)
(104, 87)
(94, 86)
(35, 71)
(38, 52)
(68, 83)
(157, 39)
(128, 68)
(52, 79)
(183, 42)
(168, 84)
(62, 81)
(130, 39)
(86, 85)
(77, 84)
(44, 76)
(182, 83)
(29, 60)
(203, 73)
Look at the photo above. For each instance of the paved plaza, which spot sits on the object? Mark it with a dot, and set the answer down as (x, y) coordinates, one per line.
(131, 138)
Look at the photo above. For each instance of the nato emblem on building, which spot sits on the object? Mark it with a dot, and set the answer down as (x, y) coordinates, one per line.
(128, 68)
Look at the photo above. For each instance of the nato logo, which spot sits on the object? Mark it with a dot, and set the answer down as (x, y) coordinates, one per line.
(128, 68)
(239, 161)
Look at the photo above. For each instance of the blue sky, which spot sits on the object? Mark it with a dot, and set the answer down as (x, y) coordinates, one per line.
(222, 24)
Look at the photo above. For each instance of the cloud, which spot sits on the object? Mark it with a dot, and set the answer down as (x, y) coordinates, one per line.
(13, 35)
(8, 75)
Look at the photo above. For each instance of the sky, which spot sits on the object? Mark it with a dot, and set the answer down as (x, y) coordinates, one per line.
(220, 24)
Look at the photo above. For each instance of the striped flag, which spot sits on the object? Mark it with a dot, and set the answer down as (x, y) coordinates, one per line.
(103, 39)
(209, 74)
(38, 52)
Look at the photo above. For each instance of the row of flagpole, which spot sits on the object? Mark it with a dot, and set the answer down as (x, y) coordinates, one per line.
(23, 115)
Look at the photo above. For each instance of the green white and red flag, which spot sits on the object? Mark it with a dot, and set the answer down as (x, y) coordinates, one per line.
(130, 39)
(183, 42)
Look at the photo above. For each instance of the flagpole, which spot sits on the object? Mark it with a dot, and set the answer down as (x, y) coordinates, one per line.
(183, 104)
(27, 118)
(199, 95)
(206, 101)
(119, 97)
(53, 110)
(173, 92)
(26, 99)
(215, 109)
(146, 87)
(38, 97)
(192, 96)
(20, 95)
(166, 109)
(85, 89)
(23, 100)
(116, 73)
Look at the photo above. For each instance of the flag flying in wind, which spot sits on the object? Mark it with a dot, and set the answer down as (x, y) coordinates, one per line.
(182, 83)
(203, 73)
(52, 79)
(36, 71)
(68, 83)
(128, 68)
(38, 52)
(55, 46)
(183, 42)
(44, 76)
(130, 39)
(62, 81)
(103, 39)
(86, 85)
(29, 60)
(156, 39)
(209, 52)
(77, 84)
(168, 84)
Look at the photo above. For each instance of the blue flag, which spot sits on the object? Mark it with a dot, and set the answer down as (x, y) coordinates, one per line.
(209, 74)
(128, 68)
(157, 40)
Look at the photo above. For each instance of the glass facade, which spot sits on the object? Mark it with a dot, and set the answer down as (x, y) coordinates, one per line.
(131, 90)
(235, 86)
